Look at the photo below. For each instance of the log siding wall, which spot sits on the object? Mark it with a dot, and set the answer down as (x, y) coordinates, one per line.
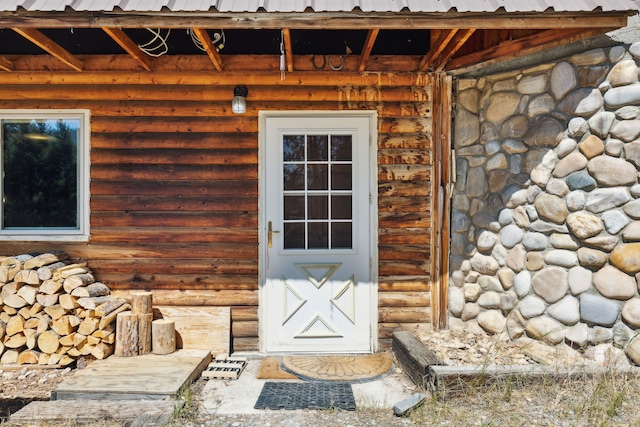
(174, 183)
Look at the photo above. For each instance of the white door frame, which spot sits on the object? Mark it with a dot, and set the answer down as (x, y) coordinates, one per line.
(373, 210)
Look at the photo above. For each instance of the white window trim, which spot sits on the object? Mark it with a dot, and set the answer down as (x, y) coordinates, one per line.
(81, 234)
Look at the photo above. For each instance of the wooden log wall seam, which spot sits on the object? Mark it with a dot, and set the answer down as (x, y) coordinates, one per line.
(174, 183)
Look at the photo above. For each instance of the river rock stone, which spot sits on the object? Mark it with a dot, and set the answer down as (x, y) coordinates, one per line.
(631, 313)
(581, 181)
(578, 335)
(548, 227)
(471, 291)
(577, 127)
(522, 283)
(545, 329)
(612, 172)
(571, 163)
(583, 224)
(467, 128)
(605, 243)
(566, 311)
(516, 258)
(535, 261)
(613, 283)
(590, 104)
(563, 241)
(531, 306)
(621, 96)
(632, 209)
(502, 105)
(470, 311)
(520, 217)
(579, 279)
(622, 334)
(511, 235)
(566, 146)
(492, 321)
(631, 232)
(598, 310)
(550, 284)
(533, 84)
(489, 300)
(561, 257)
(477, 184)
(544, 131)
(486, 241)
(506, 276)
(535, 241)
(626, 130)
(563, 79)
(551, 208)
(626, 257)
(460, 222)
(614, 221)
(514, 127)
(623, 73)
(603, 199)
(632, 153)
(592, 146)
(484, 264)
(633, 349)
(456, 301)
(543, 104)
(576, 200)
(600, 123)
(557, 187)
(591, 258)
(542, 172)
(469, 99)
(499, 161)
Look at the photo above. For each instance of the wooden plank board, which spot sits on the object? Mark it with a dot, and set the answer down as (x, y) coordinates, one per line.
(199, 328)
(413, 357)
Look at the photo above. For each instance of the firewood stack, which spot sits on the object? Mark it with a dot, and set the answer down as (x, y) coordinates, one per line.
(53, 311)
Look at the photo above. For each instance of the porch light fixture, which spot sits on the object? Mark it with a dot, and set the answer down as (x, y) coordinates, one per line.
(239, 102)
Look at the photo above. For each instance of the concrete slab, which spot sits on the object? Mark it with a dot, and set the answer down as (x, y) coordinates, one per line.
(149, 376)
(239, 396)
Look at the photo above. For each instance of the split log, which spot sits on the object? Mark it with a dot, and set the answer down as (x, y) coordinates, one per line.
(96, 289)
(109, 306)
(32, 337)
(14, 326)
(28, 293)
(14, 301)
(56, 311)
(141, 302)
(44, 259)
(163, 336)
(144, 332)
(31, 323)
(47, 300)
(10, 289)
(88, 325)
(49, 341)
(50, 287)
(4, 274)
(43, 359)
(30, 277)
(25, 312)
(104, 332)
(91, 303)
(62, 326)
(68, 301)
(9, 357)
(68, 340)
(43, 323)
(9, 311)
(77, 280)
(28, 357)
(101, 351)
(35, 309)
(2, 325)
(16, 341)
(68, 271)
(111, 317)
(126, 334)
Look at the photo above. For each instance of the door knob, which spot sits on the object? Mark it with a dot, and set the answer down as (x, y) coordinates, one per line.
(270, 232)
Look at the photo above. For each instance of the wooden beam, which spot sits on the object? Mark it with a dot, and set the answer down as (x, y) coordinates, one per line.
(453, 46)
(440, 190)
(436, 48)
(5, 64)
(366, 49)
(45, 43)
(318, 20)
(208, 46)
(129, 46)
(288, 50)
(519, 47)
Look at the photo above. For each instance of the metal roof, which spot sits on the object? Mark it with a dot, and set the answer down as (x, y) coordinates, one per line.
(284, 6)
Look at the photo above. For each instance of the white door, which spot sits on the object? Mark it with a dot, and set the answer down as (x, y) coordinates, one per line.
(317, 290)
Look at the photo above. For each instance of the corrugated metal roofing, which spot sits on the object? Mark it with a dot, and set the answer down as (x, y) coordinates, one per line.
(417, 6)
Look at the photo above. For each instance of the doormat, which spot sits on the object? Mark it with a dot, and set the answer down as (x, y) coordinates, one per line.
(346, 368)
(270, 370)
(313, 395)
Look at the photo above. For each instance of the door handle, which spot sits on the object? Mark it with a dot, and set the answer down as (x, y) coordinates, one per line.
(270, 232)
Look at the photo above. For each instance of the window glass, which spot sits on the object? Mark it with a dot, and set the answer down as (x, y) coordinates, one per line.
(42, 180)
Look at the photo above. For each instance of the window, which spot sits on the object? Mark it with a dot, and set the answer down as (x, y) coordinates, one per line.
(44, 162)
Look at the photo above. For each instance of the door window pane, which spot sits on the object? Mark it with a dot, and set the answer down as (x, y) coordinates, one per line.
(341, 177)
(293, 148)
(293, 176)
(341, 148)
(341, 233)
(318, 235)
(294, 235)
(318, 207)
(341, 207)
(317, 148)
(294, 207)
(317, 177)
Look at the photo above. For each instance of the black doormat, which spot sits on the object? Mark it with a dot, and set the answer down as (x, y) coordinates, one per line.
(307, 395)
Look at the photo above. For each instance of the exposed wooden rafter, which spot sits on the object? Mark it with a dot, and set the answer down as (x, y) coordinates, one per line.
(366, 49)
(128, 45)
(288, 50)
(436, 49)
(456, 42)
(516, 48)
(45, 43)
(5, 64)
(208, 46)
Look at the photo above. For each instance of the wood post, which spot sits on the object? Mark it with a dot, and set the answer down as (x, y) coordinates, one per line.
(126, 334)
(141, 302)
(164, 336)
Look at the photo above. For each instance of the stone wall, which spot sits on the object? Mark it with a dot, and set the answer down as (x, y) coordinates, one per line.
(545, 223)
